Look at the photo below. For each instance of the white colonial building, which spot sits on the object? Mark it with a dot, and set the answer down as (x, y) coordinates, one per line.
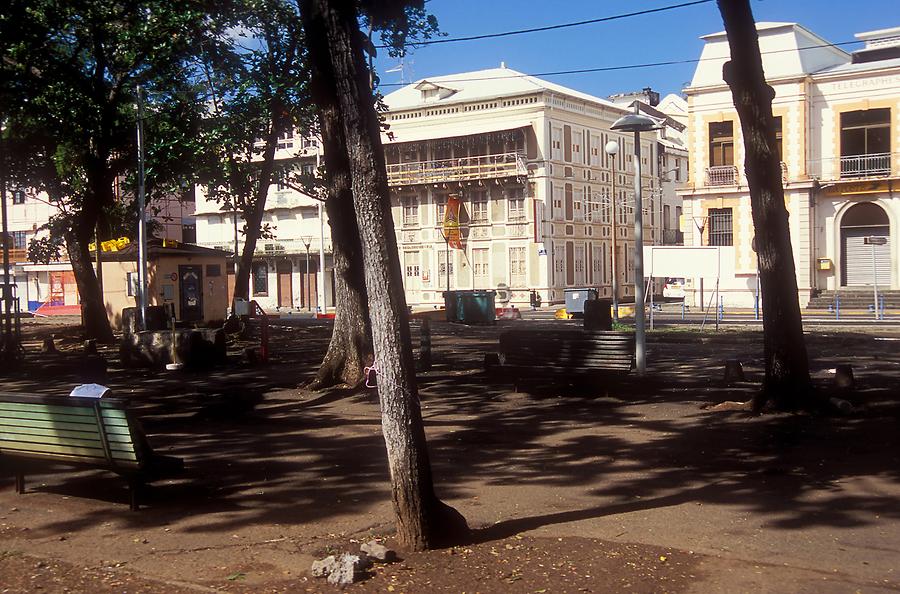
(538, 191)
(838, 119)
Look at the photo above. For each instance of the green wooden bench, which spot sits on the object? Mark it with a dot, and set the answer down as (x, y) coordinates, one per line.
(99, 433)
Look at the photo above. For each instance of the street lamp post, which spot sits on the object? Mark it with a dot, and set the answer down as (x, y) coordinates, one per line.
(323, 306)
(307, 241)
(612, 149)
(637, 123)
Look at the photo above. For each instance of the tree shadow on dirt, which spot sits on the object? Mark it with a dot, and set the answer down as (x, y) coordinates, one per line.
(258, 450)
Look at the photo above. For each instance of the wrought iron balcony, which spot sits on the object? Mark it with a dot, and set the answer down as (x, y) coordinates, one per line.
(722, 175)
(857, 166)
(457, 169)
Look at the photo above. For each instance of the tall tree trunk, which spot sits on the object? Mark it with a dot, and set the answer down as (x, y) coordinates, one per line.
(77, 238)
(93, 308)
(335, 50)
(787, 382)
(350, 349)
(253, 215)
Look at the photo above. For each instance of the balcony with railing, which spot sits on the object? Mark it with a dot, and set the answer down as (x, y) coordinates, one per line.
(863, 166)
(722, 175)
(457, 169)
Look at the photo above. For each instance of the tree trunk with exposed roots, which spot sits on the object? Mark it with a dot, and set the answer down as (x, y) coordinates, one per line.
(335, 50)
(350, 349)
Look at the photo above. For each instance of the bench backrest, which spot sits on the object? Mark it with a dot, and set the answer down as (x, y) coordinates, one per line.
(82, 430)
(573, 349)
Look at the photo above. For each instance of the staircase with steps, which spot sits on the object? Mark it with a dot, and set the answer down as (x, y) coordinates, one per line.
(856, 298)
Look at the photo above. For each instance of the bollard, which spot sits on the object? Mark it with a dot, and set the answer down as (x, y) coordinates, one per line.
(734, 372)
(721, 309)
(682, 308)
(425, 346)
(843, 377)
(837, 307)
(175, 365)
(756, 307)
(881, 306)
(48, 347)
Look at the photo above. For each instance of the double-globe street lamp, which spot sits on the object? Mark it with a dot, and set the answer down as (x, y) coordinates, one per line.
(637, 123)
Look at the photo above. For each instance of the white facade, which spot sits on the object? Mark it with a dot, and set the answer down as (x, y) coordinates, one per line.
(527, 159)
(285, 272)
(839, 117)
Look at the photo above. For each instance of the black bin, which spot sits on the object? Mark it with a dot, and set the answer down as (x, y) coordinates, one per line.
(598, 315)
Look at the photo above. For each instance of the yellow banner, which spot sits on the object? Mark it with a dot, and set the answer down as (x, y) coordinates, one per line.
(451, 222)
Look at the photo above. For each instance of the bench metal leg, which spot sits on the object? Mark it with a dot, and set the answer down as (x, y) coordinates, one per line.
(134, 486)
(20, 482)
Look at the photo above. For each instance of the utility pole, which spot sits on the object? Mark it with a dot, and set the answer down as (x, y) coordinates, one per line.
(142, 214)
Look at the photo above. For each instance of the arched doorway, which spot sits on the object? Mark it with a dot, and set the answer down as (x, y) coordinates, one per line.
(865, 262)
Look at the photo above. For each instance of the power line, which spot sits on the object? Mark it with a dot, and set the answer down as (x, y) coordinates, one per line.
(631, 66)
(554, 27)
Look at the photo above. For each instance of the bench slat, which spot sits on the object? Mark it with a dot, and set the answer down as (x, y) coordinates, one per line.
(8, 446)
(63, 426)
(54, 430)
(63, 418)
(75, 409)
(64, 440)
(101, 462)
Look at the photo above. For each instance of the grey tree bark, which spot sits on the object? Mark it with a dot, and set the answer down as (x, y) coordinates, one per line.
(350, 348)
(335, 49)
(787, 383)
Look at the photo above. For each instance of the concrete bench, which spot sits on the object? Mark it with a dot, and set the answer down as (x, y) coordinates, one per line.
(97, 433)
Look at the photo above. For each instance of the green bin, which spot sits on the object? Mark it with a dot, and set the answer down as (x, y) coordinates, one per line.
(476, 307)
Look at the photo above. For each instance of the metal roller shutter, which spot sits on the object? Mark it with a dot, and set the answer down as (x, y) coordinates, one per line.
(857, 257)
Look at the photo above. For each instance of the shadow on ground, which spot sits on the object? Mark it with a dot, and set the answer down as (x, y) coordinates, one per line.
(261, 450)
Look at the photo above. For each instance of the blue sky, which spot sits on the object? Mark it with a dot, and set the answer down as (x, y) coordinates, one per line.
(672, 35)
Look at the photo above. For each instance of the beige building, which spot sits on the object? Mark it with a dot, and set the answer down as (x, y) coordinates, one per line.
(189, 277)
(838, 121)
(541, 199)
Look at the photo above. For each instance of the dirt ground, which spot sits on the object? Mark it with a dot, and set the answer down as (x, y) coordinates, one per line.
(633, 487)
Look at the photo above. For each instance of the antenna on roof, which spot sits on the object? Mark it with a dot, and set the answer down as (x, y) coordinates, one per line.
(402, 68)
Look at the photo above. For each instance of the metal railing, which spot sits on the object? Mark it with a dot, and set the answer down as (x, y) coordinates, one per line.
(457, 169)
(722, 175)
(672, 237)
(874, 165)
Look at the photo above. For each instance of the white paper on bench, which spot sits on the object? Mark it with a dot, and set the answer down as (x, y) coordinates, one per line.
(89, 391)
